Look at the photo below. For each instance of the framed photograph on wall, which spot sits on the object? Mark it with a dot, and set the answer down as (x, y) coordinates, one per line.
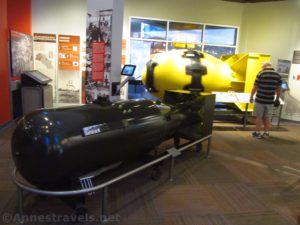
(21, 52)
(283, 67)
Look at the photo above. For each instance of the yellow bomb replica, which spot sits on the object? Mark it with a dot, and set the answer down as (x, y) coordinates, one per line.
(186, 70)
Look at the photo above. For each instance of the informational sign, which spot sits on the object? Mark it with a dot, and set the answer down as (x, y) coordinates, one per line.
(68, 52)
(98, 60)
(45, 57)
(39, 37)
(232, 97)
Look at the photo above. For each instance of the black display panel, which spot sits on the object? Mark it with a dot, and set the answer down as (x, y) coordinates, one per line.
(36, 77)
(128, 70)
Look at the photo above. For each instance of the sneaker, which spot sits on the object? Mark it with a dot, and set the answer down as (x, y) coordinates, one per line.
(266, 134)
(257, 135)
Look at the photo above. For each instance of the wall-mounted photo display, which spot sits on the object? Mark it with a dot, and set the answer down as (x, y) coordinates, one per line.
(45, 56)
(283, 66)
(68, 87)
(98, 54)
(21, 51)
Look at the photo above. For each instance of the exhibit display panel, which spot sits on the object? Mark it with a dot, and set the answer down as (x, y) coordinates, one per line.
(68, 78)
(291, 109)
(98, 54)
(36, 91)
(45, 57)
(21, 47)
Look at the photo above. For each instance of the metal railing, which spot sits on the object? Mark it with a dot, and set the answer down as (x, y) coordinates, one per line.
(171, 153)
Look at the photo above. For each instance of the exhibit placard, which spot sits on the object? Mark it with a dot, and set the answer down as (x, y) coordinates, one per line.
(40, 37)
(68, 52)
(45, 56)
(232, 97)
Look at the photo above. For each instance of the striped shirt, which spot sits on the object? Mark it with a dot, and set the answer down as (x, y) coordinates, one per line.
(267, 81)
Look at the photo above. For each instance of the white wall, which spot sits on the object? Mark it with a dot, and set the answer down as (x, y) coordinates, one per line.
(272, 28)
(67, 17)
(59, 16)
(99, 5)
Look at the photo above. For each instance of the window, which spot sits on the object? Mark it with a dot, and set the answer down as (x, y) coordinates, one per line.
(140, 51)
(185, 32)
(218, 35)
(148, 29)
(218, 51)
(149, 36)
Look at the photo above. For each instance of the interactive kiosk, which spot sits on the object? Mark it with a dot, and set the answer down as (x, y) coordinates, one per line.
(36, 91)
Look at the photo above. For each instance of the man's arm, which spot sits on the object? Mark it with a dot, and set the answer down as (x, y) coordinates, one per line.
(254, 89)
(278, 93)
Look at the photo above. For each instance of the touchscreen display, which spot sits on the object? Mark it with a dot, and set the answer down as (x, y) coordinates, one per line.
(128, 70)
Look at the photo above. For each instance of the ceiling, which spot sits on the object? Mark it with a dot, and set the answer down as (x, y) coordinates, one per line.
(252, 1)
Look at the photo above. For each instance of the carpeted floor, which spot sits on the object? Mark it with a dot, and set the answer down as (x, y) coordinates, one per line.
(245, 181)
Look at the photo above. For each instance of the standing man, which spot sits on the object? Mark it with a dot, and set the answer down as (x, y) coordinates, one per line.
(267, 83)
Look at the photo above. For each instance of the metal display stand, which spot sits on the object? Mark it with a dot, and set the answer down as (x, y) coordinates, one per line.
(277, 113)
(171, 154)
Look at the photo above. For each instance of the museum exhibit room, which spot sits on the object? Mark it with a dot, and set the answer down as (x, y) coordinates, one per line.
(154, 112)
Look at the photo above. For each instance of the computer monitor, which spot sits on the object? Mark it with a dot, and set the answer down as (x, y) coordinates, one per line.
(128, 70)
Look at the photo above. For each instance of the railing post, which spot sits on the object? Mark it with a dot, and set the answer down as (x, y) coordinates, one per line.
(104, 205)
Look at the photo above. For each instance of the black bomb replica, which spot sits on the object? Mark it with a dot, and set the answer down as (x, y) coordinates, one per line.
(52, 148)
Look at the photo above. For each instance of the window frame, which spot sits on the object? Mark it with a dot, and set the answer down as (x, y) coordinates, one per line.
(167, 42)
(202, 43)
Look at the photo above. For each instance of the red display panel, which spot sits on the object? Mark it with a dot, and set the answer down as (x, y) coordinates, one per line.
(98, 60)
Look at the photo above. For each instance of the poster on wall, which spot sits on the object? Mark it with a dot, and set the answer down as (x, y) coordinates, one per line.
(68, 52)
(98, 54)
(44, 47)
(21, 47)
